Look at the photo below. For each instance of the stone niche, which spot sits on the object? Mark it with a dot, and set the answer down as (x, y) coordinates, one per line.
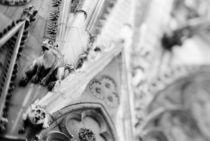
(180, 112)
(80, 122)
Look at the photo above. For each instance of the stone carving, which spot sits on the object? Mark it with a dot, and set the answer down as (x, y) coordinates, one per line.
(48, 68)
(87, 125)
(82, 59)
(90, 54)
(29, 14)
(37, 116)
(14, 2)
(105, 89)
(86, 135)
(52, 25)
(58, 75)
(96, 90)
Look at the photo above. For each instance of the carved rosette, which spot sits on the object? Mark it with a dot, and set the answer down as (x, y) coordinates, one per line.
(105, 88)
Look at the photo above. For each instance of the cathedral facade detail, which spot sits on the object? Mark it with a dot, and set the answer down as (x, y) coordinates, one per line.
(104, 70)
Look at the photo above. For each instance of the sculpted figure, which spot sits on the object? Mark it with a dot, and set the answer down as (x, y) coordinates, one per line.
(35, 116)
(43, 67)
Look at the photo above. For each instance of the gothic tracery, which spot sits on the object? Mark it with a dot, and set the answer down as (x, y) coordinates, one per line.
(104, 70)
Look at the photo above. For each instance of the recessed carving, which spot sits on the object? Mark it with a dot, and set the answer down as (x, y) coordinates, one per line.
(105, 89)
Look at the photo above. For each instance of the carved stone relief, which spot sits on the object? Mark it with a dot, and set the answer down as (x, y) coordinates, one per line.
(105, 88)
(81, 122)
(47, 68)
(14, 2)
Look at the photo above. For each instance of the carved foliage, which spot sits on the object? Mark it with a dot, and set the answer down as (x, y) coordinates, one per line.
(105, 88)
(14, 2)
(52, 26)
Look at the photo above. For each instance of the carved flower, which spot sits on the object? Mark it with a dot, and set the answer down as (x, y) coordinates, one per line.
(86, 126)
(86, 135)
